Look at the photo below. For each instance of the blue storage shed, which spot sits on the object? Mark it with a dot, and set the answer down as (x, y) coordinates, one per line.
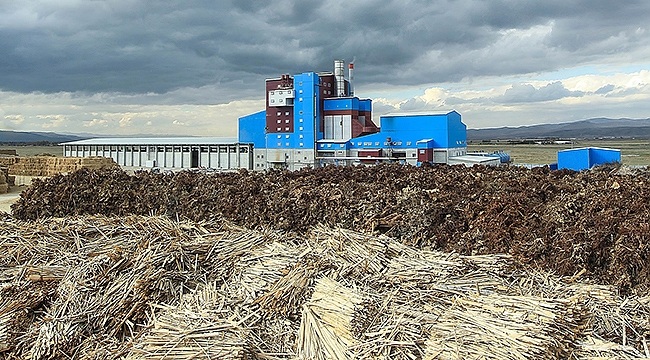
(586, 158)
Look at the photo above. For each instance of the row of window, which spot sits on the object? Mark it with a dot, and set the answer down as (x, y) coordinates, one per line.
(289, 144)
(205, 149)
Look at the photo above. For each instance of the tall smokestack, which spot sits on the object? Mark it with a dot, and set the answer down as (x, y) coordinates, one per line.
(339, 75)
(351, 77)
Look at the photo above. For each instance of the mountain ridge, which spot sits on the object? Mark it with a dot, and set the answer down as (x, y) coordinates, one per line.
(583, 129)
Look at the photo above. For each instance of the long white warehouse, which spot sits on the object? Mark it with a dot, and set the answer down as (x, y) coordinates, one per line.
(182, 152)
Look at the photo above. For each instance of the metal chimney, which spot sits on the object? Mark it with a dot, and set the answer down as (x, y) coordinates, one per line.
(339, 75)
(351, 77)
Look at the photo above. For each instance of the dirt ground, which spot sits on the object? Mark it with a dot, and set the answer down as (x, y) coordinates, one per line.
(9, 198)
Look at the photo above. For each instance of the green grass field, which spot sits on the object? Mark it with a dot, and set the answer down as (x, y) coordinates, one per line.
(633, 152)
(35, 150)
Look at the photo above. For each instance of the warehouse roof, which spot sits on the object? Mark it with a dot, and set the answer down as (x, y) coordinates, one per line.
(420, 113)
(474, 159)
(589, 147)
(156, 141)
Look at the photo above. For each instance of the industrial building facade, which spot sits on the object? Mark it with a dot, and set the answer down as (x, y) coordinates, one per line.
(310, 120)
(179, 153)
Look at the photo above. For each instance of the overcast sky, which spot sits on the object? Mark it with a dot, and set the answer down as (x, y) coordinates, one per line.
(193, 67)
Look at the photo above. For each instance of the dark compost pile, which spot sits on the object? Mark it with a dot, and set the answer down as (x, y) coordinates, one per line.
(567, 222)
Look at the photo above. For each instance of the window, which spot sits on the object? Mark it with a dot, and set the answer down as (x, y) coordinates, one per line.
(279, 136)
(300, 128)
(286, 113)
(279, 121)
(279, 113)
(287, 136)
(279, 129)
(286, 121)
(286, 129)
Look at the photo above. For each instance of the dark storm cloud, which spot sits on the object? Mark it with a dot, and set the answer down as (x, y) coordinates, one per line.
(136, 46)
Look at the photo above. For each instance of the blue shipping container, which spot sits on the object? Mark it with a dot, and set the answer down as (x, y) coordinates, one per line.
(586, 158)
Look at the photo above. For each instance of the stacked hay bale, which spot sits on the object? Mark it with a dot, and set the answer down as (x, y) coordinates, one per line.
(49, 166)
(4, 186)
(6, 161)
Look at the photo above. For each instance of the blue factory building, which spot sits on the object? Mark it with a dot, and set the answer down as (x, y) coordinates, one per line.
(310, 120)
(314, 119)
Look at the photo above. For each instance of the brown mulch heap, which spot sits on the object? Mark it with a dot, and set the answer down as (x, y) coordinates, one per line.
(563, 221)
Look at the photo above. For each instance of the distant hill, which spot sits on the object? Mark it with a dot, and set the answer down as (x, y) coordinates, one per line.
(16, 137)
(583, 129)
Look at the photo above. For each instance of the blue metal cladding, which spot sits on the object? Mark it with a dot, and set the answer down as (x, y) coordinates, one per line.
(365, 105)
(586, 158)
(341, 104)
(456, 131)
(306, 110)
(446, 131)
(425, 144)
(251, 129)
(573, 159)
(601, 156)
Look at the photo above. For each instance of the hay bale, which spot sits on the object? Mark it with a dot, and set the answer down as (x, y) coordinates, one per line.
(49, 166)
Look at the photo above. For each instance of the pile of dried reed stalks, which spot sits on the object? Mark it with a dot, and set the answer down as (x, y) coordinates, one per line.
(151, 288)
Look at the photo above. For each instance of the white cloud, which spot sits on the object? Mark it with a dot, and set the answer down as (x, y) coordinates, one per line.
(96, 123)
(15, 119)
(126, 121)
(52, 122)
